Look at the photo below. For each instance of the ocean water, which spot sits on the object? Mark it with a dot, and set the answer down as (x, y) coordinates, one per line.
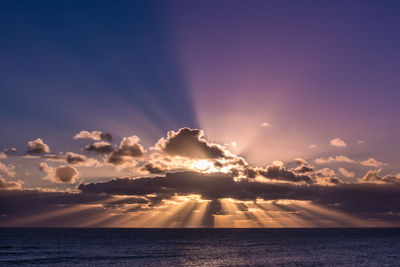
(199, 247)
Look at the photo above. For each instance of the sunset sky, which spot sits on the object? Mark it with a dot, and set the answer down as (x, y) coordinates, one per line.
(200, 113)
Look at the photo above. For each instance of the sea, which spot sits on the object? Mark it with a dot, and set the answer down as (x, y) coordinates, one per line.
(199, 247)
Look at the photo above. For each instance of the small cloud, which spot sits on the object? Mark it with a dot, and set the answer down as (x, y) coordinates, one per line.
(62, 174)
(54, 157)
(94, 135)
(10, 185)
(373, 176)
(371, 162)
(338, 142)
(360, 142)
(303, 166)
(312, 146)
(81, 160)
(37, 147)
(266, 124)
(129, 148)
(152, 168)
(3, 155)
(13, 149)
(7, 169)
(346, 173)
(99, 147)
(340, 158)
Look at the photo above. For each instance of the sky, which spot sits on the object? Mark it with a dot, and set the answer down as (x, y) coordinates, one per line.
(199, 113)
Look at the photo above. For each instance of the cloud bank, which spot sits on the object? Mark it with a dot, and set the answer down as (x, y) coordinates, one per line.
(184, 168)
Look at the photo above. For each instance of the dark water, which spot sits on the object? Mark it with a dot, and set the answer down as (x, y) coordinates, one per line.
(199, 247)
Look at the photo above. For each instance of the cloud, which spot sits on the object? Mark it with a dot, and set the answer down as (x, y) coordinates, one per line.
(302, 166)
(7, 169)
(304, 169)
(312, 146)
(279, 173)
(99, 147)
(153, 168)
(10, 185)
(338, 142)
(128, 150)
(94, 135)
(220, 174)
(191, 144)
(371, 162)
(373, 176)
(339, 158)
(360, 142)
(325, 172)
(78, 159)
(355, 198)
(37, 147)
(125, 195)
(10, 150)
(346, 173)
(59, 157)
(326, 177)
(3, 155)
(61, 174)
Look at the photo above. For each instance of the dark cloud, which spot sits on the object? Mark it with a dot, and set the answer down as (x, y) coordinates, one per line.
(78, 159)
(153, 168)
(61, 174)
(66, 174)
(94, 135)
(367, 200)
(99, 147)
(106, 136)
(279, 173)
(303, 166)
(304, 169)
(73, 158)
(210, 186)
(373, 176)
(129, 149)
(190, 143)
(37, 147)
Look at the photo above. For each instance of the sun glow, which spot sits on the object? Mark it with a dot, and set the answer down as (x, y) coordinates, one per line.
(202, 165)
(207, 166)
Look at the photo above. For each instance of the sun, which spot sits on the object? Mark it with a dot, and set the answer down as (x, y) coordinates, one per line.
(208, 166)
(202, 165)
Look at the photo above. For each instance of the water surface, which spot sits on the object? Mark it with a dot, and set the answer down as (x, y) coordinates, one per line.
(199, 247)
